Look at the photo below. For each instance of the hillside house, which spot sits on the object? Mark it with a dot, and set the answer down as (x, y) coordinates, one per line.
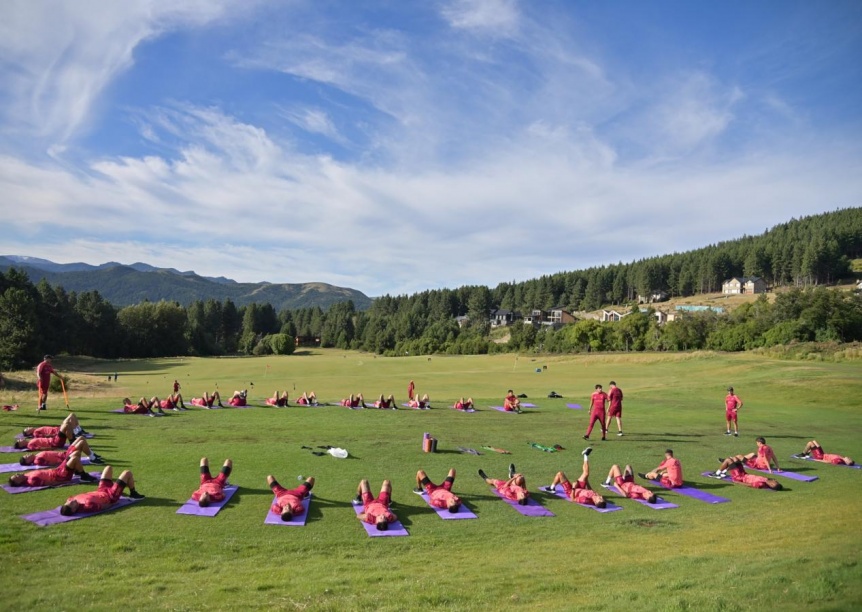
(502, 318)
(743, 284)
(612, 315)
(535, 318)
(559, 316)
(655, 296)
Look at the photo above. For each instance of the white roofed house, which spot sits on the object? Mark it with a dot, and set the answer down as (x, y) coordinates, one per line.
(612, 315)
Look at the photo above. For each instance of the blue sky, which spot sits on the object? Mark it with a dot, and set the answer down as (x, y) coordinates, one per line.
(398, 146)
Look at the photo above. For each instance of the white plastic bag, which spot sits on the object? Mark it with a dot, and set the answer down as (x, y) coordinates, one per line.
(338, 453)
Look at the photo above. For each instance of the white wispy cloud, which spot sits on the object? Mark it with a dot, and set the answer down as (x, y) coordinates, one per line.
(495, 17)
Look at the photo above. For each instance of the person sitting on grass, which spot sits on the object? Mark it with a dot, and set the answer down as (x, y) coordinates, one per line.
(375, 510)
(144, 406)
(669, 471)
(278, 399)
(815, 451)
(105, 496)
(762, 459)
(354, 401)
(52, 457)
(207, 400)
(307, 399)
(419, 402)
(733, 467)
(49, 431)
(288, 502)
(580, 492)
(238, 398)
(625, 482)
(46, 478)
(211, 489)
(439, 496)
(173, 402)
(513, 489)
(387, 403)
(464, 404)
(511, 403)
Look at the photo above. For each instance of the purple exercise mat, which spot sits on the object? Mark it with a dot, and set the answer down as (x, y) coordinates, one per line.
(50, 517)
(427, 407)
(395, 529)
(694, 493)
(467, 410)
(121, 411)
(855, 466)
(296, 521)
(76, 480)
(660, 503)
(730, 480)
(6, 468)
(12, 449)
(501, 409)
(574, 406)
(528, 405)
(192, 507)
(611, 506)
(533, 508)
(790, 475)
(21, 436)
(443, 513)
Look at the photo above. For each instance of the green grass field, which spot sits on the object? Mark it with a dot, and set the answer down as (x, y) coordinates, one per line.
(798, 549)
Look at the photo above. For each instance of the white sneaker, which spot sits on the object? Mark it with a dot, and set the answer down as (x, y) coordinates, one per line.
(619, 433)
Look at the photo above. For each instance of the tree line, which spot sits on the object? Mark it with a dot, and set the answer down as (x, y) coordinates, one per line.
(802, 254)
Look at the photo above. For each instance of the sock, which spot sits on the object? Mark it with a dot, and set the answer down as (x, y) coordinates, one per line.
(92, 455)
(78, 430)
(586, 458)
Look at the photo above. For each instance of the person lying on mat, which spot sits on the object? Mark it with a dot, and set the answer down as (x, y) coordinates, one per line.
(354, 401)
(46, 478)
(64, 432)
(144, 406)
(48, 431)
(733, 467)
(440, 496)
(207, 400)
(307, 399)
(385, 404)
(288, 502)
(513, 489)
(278, 399)
(238, 398)
(105, 496)
(463, 404)
(419, 402)
(52, 457)
(762, 459)
(173, 402)
(669, 471)
(211, 489)
(580, 492)
(375, 510)
(625, 482)
(511, 403)
(815, 451)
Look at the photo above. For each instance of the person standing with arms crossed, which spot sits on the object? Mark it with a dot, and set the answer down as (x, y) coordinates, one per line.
(732, 404)
(43, 375)
(615, 409)
(598, 404)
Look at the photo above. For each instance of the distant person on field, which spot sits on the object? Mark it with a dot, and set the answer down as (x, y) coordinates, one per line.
(513, 489)
(144, 406)
(615, 408)
(763, 458)
(440, 496)
(173, 402)
(354, 401)
(581, 491)
(238, 398)
(375, 510)
(68, 469)
(598, 403)
(410, 389)
(106, 495)
(669, 471)
(307, 399)
(732, 404)
(733, 467)
(211, 489)
(70, 423)
(511, 403)
(288, 502)
(625, 482)
(176, 386)
(815, 451)
(386, 403)
(278, 399)
(43, 380)
(64, 432)
(463, 404)
(207, 400)
(419, 402)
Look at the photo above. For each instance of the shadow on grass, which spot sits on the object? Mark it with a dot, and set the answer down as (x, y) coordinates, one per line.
(157, 502)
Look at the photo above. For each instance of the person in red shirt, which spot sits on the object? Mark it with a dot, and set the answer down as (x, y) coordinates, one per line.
(732, 404)
(176, 386)
(615, 408)
(52, 457)
(625, 482)
(580, 492)
(307, 399)
(46, 478)
(106, 495)
(173, 402)
(440, 496)
(815, 451)
(598, 403)
(386, 403)
(513, 489)
(144, 406)
(734, 468)
(354, 401)
(669, 471)
(375, 510)
(288, 502)
(207, 400)
(278, 399)
(463, 404)
(47, 431)
(56, 441)
(511, 403)
(238, 398)
(763, 459)
(410, 389)
(43, 376)
(211, 489)
(419, 402)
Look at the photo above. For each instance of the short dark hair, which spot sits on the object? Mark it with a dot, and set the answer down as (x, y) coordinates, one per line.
(48, 357)
(730, 389)
(286, 514)
(612, 382)
(65, 510)
(669, 451)
(382, 526)
(760, 439)
(598, 386)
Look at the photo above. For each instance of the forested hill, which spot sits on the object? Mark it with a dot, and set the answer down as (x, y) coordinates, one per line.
(126, 285)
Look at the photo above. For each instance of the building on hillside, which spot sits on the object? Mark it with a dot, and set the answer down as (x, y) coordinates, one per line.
(535, 318)
(663, 317)
(502, 318)
(655, 296)
(743, 284)
(612, 315)
(559, 316)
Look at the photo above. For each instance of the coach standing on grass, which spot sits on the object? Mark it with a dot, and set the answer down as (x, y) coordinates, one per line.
(43, 375)
(732, 404)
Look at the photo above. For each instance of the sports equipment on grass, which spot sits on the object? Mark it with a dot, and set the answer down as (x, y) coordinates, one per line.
(469, 451)
(573, 406)
(50, 517)
(610, 507)
(295, 521)
(790, 475)
(192, 507)
(547, 449)
(532, 507)
(660, 503)
(12, 449)
(855, 466)
(395, 529)
(121, 411)
(469, 410)
(76, 480)
(497, 450)
(501, 409)
(65, 395)
(443, 513)
(693, 493)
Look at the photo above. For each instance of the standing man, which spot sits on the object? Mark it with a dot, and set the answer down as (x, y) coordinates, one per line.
(615, 396)
(598, 404)
(732, 404)
(43, 374)
(410, 388)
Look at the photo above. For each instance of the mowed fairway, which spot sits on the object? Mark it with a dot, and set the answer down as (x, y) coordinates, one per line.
(788, 550)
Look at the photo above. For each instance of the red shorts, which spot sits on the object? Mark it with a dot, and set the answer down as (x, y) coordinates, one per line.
(379, 506)
(615, 412)
(730, 415)
(756, 482)
(289, 498)
(214, 487)
(668, 483)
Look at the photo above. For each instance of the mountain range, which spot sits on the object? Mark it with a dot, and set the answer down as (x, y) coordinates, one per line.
(123, 285)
